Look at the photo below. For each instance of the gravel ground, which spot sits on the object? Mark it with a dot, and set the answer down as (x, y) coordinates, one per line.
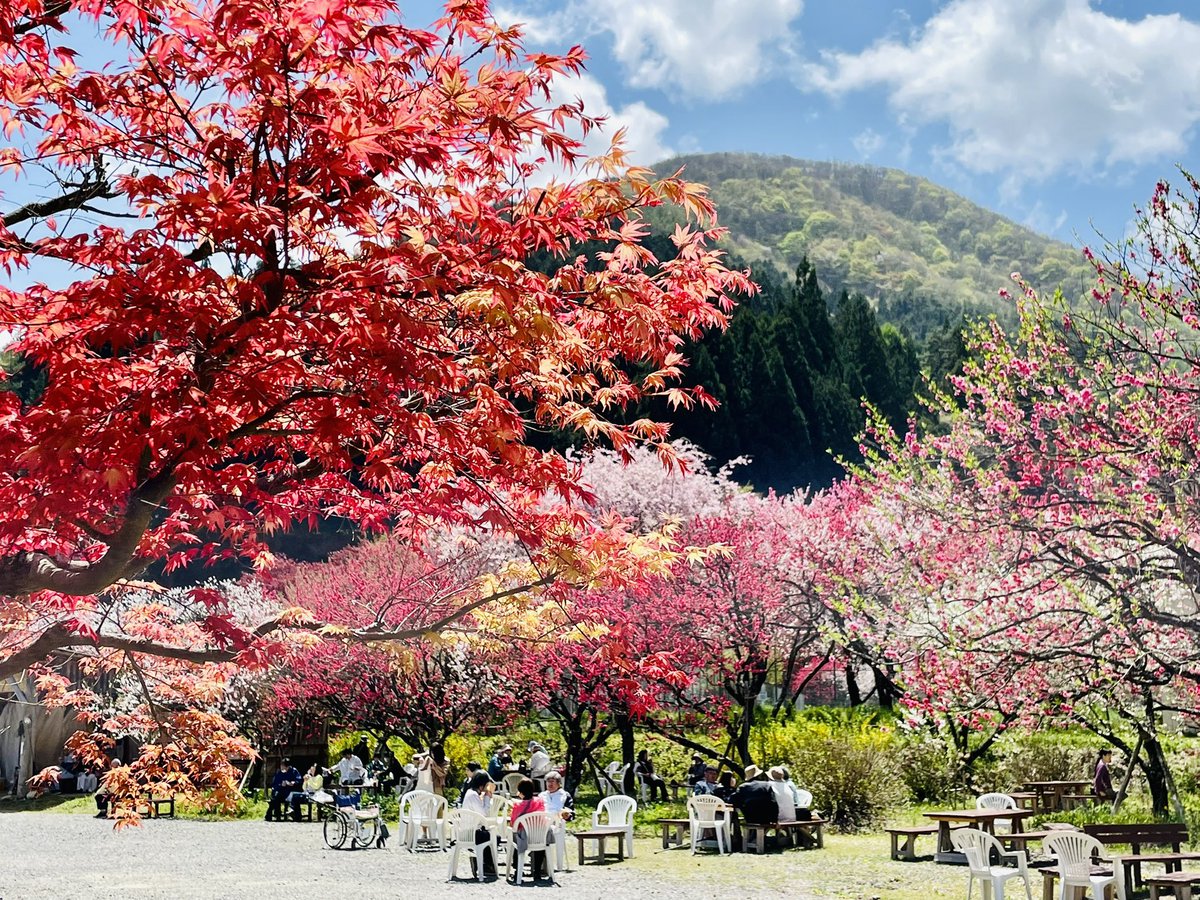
(56, 855)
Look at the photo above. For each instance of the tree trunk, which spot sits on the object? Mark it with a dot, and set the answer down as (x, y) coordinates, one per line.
(853, 691)
(628, 752)
(1153, 763)
(885, 687)
(575, 752)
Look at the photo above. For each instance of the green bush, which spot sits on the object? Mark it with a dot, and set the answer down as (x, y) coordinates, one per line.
(852, 771)
(1053, 755)
(929, 767)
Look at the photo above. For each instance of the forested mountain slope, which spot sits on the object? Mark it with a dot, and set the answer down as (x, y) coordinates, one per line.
(920, 252)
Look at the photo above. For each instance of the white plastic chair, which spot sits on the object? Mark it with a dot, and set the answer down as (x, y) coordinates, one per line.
(536, 826)
(421, 811)
(509, 783)
(997, 801)
(1075, 853)
(620, 811)
(703, 816)
(615, 782)
(804, 799)
(979, 849)
(465, 830)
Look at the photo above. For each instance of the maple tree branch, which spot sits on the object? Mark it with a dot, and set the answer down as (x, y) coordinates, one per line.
(53, 11)
(70, 200)
(31, 571)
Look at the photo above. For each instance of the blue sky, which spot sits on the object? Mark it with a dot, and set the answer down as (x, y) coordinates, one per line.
(1058, 113)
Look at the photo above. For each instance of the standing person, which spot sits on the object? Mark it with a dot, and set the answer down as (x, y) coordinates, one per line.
(500, 763)
(645, 771)
(1102, 782)
(363, 751)
(539, 760)
(431, 770)
(287, 780)
(350, 768)
(527, 804)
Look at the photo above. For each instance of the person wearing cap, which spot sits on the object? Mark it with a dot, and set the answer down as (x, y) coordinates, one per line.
(708, 784)
(558, 800)
(755, 798)
(696, 772)
(286, 780)
(539, 761)
(501, 762)
(783, 795)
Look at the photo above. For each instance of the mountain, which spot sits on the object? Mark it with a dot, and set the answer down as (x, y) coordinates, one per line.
(894, 237)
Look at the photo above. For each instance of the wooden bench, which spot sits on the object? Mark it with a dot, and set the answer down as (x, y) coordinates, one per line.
(150, 807)
(1176, 884)
(673, 831)
(1168, 834)
(600, 835)
(1075, 801)
(910, 833)
(754, 835)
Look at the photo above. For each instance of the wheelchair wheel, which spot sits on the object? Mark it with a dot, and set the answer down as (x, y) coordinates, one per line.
(336, 829)
(368, 832)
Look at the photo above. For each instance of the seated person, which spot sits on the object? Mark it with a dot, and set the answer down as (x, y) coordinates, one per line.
(286, 780)
(472, 768)
(103, 794)
(560, 803)
(708, 784)
(755, 798)
(526, 803)
(725, 787)
(556, 799)
(313, 782)
(86, 782)
(652, 780)
(384, 768)
(784, 797)
(501, 763)
(350, 768)
(477, 798)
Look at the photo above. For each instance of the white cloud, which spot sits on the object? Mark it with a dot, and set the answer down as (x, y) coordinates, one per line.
(868, 142)
(643, 126)
(1028, 88)
(706, 49)
(643, 141)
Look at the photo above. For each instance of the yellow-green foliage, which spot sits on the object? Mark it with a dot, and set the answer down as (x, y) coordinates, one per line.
(879, 231)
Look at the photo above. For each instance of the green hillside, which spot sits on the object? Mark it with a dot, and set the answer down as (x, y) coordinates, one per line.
(881, 232)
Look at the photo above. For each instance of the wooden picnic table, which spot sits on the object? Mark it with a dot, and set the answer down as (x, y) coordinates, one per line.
(1050, 793)
(600, 835)
(680, 827)
(983, 819)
